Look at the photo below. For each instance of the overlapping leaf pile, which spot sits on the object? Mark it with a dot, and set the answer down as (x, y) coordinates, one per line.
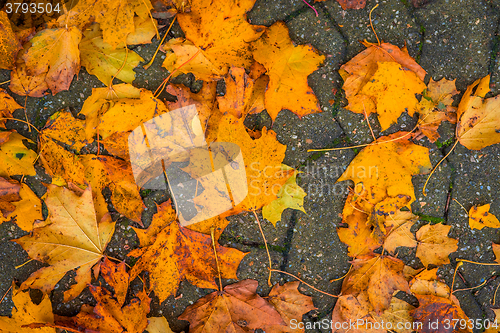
(262, 70)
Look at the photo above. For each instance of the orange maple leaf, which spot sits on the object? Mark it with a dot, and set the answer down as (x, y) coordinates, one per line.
(434, 309)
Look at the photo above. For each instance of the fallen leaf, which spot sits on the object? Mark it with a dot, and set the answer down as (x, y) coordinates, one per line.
(65, 128)
(229, 44)
(427, 283)
(9, 44)
(26, 312)
(287, 67)
(55, 52)
(144, 29)
(435, 107)
(351, 4)
(379, 276)
(290, 304)
(478, 118)
(392, 89)
(23, 84)
(262, 158)
(236, 309)
(158, 325)
(7, 104)
(479, 217)
(27, 210)
(439, 310)
(493, 325)
(109, 316)
(16, 158)
(244, 95)
(434, 245)
(399, 234)
(178, 253)
(496, 251)
(117, 277)
(71, 225)
(9, 193)
(290, 195)
(105, 61)
(386, 168)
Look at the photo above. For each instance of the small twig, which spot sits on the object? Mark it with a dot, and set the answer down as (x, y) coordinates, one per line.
(302, 281)
(23, 121)
(123, 65)
(465, 210)
(19, 266)
(4, 82)
(216, 258)
(495, 294)
(434, 169)
(371, 24)
(161, 42)
(460, 263)
(267, 249)
(315, 11)
(1, 300)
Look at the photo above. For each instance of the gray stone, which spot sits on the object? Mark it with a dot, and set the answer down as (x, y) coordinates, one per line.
(457, 40)
(316, 254)
(392, 21)
(255, 266)
(263, 13)
(313, 131)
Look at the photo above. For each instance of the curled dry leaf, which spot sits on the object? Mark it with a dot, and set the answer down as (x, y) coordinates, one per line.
(480, 217)
(378, 276)
(71, 238)
(26, 312)
(478, 118)
(434, 245)
(427, 283)
(117, 277)
(178, 253)
(236, 309)
(399, 231)
(287, 67)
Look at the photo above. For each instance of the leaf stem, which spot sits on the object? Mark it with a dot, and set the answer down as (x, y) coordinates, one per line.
(161, 42)
(434, 169)
(302, 281)
(371, 24)
(267, 248)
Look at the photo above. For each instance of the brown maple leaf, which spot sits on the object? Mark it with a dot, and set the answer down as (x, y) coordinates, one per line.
(434, 312)
(236, 309)
(179, 253)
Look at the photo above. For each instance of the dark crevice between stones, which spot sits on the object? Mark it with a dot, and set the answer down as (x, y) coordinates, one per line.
(288, 242)
(453, 175)
(411, 10)
(296, 13)
(322, 7)
(494, 49)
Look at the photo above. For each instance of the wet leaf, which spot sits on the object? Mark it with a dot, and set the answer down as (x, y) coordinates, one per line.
(434, 245)
(480, 217)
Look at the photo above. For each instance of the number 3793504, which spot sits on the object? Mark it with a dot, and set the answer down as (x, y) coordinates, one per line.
(22, 7)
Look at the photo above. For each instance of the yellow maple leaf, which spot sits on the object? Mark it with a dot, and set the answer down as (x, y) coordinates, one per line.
(16, 158)
(105, 61)
(287, 67)
(71, 238)
(27, 210)
(434, 245)
(55, 52)
(480, 217)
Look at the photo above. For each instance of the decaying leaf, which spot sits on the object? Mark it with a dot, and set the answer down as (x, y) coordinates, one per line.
(287, 67)
(71, 225)
(158, 325)
(434, 245)
(379, 276)
(16, 158)
(9, 44)
(478, 118)
(399, 234)
(236, 309)
(435, 107)
(26, 211)
(65, 128)
(26, 312)
(480, 217)
(439, 310)
(179, 253)
(109, 316)
(117, 277)
(351, 4)
(427, 283)
(55, 52)
(9, 193)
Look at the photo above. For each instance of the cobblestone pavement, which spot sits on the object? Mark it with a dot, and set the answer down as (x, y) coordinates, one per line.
(455, 39)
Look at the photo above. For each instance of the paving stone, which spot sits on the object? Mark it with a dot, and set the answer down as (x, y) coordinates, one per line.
(392, 21)
(321, 33)
(254, 266)
(495, 63)
(316, 254)
(264, 13)
(458, 39)
(317, 130)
